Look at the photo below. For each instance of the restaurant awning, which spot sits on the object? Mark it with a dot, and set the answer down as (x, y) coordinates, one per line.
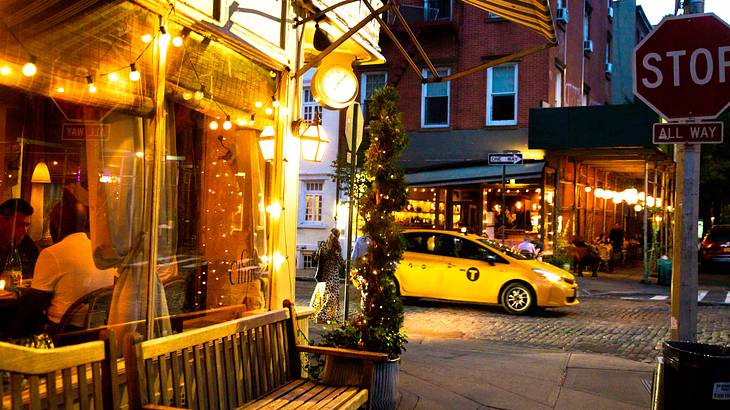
(474, 175)
(533, 14)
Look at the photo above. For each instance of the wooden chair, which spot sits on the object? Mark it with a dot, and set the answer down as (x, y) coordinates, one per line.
(96, 304)
(253, 361)
(70, 377)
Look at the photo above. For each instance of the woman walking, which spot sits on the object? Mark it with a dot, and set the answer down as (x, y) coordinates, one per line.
(330, 259)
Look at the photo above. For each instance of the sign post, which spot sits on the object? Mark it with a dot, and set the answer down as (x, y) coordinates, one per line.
(353, 130)
(681, 71)
(504, 159)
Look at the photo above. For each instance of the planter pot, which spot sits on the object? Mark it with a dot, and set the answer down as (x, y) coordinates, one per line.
(384, 393)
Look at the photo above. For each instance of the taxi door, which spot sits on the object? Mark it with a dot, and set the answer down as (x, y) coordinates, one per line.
(417, 273)
(473, 273)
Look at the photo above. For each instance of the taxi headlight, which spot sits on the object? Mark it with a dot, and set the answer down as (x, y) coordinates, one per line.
(548, 275)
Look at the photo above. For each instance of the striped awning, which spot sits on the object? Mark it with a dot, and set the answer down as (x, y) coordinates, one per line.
(533, 14)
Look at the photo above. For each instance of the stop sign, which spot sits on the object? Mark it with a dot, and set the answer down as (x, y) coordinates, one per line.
(682, 68)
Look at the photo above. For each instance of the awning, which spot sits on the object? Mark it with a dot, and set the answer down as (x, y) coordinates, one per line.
(474, 175)
(533, 14)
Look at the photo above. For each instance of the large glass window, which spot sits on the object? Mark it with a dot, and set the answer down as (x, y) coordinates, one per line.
(313, 193)
(436, 10)
(435, 101)
(502, 95)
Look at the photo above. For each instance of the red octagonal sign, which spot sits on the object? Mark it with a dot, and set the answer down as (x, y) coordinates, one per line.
(682, 68)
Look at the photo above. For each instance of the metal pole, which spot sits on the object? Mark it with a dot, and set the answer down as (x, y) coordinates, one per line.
(353, 163)
(645, 278)
(504, 210)
(683, 322)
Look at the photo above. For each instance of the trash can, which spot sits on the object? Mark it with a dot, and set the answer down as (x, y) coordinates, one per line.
(696, 376)
(664, 268)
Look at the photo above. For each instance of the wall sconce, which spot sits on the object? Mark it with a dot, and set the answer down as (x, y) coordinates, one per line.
(312, 140)
(266, 143)
(41, 174)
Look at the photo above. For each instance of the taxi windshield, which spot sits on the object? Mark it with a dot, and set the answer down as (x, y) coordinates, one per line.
(509, 251)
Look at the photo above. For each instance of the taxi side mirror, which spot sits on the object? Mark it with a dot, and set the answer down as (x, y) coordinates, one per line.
(490, 259)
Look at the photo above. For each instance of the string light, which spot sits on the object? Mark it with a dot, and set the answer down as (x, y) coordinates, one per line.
(275, 102)
(133, 73)
(164, 35)
(227, 123)
(187, 95)
(146, 38)
(213, 125)
(90, 82)
(60, 89)
(258, 104)
(200, 94)
(268, 111)
(29, 69)
(177, 41)
(113, 76)
(5, 70)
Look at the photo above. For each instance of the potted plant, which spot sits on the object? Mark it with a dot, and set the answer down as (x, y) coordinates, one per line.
(378, 325)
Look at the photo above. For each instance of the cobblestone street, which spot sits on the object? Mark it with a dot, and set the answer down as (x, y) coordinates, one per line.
(625, 328)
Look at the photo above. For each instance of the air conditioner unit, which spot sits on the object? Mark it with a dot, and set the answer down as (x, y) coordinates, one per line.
(561, 16)
(609, 68)
(610, 13)
(587, 46)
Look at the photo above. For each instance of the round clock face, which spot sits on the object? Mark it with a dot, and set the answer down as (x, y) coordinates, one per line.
(334, 86)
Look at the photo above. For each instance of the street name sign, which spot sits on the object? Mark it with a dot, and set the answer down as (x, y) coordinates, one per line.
(505, 158)
(682, 68)
(688, 133)
(354, 113)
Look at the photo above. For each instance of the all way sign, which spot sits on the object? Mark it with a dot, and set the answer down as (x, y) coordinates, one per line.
(688, 133)
(505, 158)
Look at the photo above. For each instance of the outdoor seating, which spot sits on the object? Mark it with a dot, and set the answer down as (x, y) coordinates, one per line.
(250, 362)
(78, 376)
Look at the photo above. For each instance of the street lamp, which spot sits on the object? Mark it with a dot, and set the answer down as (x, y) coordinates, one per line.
(312, 140)
(266, 143)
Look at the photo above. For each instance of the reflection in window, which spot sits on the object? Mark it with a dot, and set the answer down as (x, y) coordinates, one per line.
(435, 101)
(502, 95)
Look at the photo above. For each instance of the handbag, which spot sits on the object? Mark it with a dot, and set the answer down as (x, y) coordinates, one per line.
(319, 273)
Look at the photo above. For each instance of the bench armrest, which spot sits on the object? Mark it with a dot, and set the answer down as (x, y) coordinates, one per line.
(159, 407)
(349, 353)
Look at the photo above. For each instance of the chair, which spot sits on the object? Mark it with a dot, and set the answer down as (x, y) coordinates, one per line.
(96, 304)
(175, 295)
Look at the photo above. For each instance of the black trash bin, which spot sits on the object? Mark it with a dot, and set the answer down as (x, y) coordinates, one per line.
(695, 376)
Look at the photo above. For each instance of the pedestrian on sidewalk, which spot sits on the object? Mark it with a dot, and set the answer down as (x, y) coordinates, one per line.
(330, 261)
(616, 236)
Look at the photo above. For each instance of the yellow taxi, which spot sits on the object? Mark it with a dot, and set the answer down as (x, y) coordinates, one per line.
(464, 267)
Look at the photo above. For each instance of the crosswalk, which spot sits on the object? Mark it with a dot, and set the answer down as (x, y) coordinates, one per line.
(703, 296)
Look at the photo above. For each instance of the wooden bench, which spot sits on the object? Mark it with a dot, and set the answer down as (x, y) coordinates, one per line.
(251, 363)
(78, 376)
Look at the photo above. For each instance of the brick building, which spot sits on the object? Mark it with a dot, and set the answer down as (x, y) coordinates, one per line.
(454, 125)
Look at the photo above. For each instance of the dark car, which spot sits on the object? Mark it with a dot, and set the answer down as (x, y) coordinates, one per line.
(715, 248)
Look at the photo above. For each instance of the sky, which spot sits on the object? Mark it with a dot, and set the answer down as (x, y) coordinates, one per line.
(656, 9)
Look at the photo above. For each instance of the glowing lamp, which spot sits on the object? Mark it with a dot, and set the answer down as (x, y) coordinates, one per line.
(41, 174)
(29, 69)
(133, 73)
(313, 141)
(266, 143)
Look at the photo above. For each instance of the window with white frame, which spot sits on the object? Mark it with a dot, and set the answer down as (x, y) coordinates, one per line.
(313, 194)
(502, 95)
(308, 260)
(435, 101)
(310, 108)
(370, 82)
(436, 10)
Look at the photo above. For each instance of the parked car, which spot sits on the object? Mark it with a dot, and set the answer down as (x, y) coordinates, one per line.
(464, 267)
(715, 247)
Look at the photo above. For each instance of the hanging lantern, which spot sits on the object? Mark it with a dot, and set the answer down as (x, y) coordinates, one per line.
(41, 174)
(313, 141)
(266, 143)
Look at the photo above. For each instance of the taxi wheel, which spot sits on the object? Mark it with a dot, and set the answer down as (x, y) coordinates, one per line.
(517, 299)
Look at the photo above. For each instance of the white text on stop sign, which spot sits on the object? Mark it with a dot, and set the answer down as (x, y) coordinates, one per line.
(723, 63)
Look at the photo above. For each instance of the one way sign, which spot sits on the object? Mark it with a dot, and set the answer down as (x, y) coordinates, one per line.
(505, 158)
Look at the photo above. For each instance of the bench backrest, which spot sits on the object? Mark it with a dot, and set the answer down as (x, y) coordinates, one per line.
(67, 377)
(220, 366)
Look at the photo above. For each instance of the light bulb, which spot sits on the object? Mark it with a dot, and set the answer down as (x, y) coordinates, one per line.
(133, 73)
(213, 125)
(5, 70)
(241, 122)
(92, 88)
(227, 123)
(177, 41)
(268, 110)
(187, 95)
(258, 104)
(275, 103)
(113, 77)
(60, 89)
(29, 69)
(164, 35)
(200, 94)
(90, 82)
(146, 38)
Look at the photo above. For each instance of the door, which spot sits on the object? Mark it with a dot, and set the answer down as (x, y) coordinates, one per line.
(474, 272)
(417, 273)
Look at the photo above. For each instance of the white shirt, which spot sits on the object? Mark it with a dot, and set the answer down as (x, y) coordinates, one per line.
(67, 269)
(527, 246)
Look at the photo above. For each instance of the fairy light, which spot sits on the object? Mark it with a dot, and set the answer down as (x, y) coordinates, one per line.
(258, 104)
(60, 89)
(227, 123)
(133, 73)
(164, 35)
(200, 94)
(187, 95)
(213, 125)
(146, 38)
(113, 77)
(268, 111)
(240, 121)
(90, 83)
(29, 69)
(177, 41)
(5, 70)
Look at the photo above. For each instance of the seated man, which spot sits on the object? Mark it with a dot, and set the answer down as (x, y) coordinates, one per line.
(14, 223)
(64, 271)
(526, 247)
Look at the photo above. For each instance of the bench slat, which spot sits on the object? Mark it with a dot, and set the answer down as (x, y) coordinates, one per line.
(357, 397)
(246, 363)
(51, 390)
(83, 387)
(260, 359)
(293, 389)
(35, 396)
(308, 396)
(219, 369)
(162, 369)
(188, 375)
(175, 366)
(323, 397)
(200, 398)
(237, 369)
(68, 394)
(229, 371)
(209, 378)
(97, 384)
